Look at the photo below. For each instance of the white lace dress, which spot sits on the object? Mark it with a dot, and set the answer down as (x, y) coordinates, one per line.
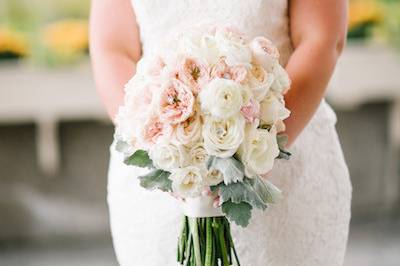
(309, 227)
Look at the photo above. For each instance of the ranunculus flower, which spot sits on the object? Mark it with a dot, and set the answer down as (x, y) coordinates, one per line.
(222, 137)
(251, 111)
(187, 181)
(282, 81)
(188, 131)
(194, 73)
(222, 70)
(259, 81)
(258, 150)
(168, 156)
(175, 102)
(272, 109)
(264, 52)
(232, 47)
(221, 98)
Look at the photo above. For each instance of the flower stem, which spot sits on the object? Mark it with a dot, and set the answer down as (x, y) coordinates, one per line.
(209, 242)
(196, 241)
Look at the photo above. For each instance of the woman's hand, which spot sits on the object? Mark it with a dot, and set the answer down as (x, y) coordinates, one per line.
(318, 31)
(114, 48)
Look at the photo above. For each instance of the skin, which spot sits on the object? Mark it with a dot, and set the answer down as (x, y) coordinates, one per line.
(318, 32)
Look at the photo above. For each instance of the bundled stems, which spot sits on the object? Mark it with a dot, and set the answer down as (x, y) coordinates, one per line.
(206, 242)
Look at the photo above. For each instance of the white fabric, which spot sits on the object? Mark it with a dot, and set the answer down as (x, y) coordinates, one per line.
(308, 227)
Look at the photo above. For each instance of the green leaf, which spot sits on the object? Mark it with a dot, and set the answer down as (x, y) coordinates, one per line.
(282, 141)
(283, 154)
(231, 169)
(253, 191)
(140, 158)
(239, 213)
(156, 179)
(121, 146)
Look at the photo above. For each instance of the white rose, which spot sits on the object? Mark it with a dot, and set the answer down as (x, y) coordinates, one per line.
(188, 131)
(167, 156)
(272, 109)
(222, 98)
(198, 155)
(233, 47)
(260, 81)
(259, 150)
(187, 182)
(282, 81)
(204, 47)
(264, 52)
(222, 137)
(213, 177)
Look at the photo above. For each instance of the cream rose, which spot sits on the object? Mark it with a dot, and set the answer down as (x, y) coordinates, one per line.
(222, 137)
(188, 131)
(282, 81)
(272, 109)
(221, 98)
(213, 177)
(259, 150)
(187, 181)
(264, 52)
(232, 47)
(259, 81)
(198, 155)
(168, 156)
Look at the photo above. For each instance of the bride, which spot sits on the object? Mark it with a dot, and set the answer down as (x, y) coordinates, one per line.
(309, 227)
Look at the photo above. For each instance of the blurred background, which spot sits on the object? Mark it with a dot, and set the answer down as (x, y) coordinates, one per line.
(54, 135)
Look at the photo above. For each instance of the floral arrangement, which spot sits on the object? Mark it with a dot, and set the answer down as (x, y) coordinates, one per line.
(203, 114)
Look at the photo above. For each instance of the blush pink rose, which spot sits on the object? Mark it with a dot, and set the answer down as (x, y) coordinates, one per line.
(251, 111)
(222, 70)
(176, 102)
(156, 66)
(194, 73)
(154, 129)
(264, 52)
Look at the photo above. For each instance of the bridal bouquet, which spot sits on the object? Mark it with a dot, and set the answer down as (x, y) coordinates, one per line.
(204, 114)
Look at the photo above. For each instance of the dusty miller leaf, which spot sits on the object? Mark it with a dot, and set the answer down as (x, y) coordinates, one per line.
(239, 213)
(254, 191)
(156, 179)
(231, 169)
(139, 158)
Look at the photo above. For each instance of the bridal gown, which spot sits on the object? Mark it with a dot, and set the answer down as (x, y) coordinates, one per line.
(308, 227)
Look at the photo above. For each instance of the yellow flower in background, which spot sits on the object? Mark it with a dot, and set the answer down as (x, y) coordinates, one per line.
(12, 42)
(364, 11)
(67, 37)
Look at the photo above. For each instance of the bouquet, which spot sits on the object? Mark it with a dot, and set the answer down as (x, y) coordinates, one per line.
(204, 114)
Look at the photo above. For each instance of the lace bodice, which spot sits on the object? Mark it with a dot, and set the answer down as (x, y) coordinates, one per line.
(158, 20)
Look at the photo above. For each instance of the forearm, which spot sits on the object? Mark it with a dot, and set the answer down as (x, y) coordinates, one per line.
(310, 69)
(112, 70)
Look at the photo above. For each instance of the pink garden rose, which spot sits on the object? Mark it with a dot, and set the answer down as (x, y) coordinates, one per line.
(251, 111)
(222, 70)
(194, 73)
(176, 102)
(154, 129)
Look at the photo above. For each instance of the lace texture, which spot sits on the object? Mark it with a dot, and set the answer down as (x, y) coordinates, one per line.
(309, 227)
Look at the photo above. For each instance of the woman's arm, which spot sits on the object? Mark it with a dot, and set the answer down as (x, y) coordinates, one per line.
(114, 48)
(318, 31)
